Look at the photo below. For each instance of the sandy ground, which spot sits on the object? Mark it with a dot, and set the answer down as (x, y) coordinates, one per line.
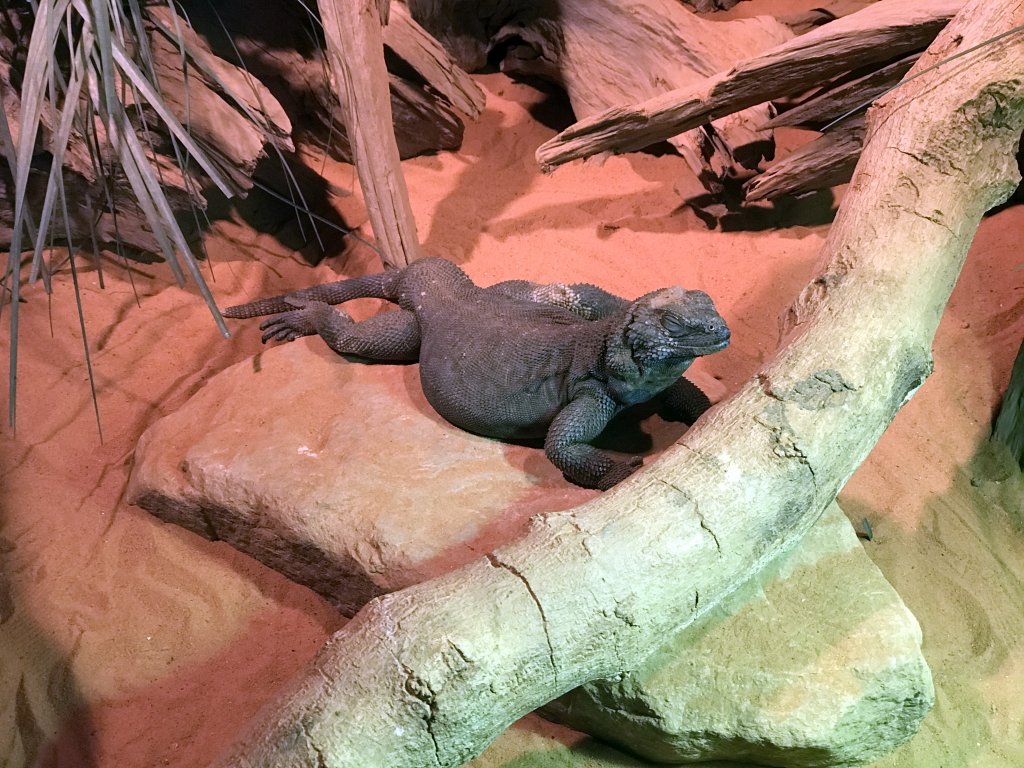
(126, 642)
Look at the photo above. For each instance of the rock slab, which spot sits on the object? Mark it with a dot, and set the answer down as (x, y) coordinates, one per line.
(340, 476)
(816, 663)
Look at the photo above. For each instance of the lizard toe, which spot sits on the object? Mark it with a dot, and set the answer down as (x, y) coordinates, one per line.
(619, 471)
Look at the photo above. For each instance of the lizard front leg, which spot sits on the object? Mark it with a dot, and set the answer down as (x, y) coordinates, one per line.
(566, 444)
(683, 401)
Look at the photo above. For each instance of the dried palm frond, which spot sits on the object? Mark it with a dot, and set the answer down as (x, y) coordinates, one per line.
(89, 133)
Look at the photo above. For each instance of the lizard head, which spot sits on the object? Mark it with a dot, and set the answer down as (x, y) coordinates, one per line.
(670, 326)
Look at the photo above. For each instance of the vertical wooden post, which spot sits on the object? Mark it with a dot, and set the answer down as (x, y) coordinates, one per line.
(355, 53)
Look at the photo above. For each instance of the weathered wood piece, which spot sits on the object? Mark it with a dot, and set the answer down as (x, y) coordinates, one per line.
(424, 54)
(430, 674)
(605, 53)
(834, 102)
(824, 162)
(464, 27)
(880, 32)
(428, 90)
(610, 52)
(424, 121)
(355, 53)
(423, 108)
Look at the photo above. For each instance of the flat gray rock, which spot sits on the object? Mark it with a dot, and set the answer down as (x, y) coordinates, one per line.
(818, 663)
(340, 476)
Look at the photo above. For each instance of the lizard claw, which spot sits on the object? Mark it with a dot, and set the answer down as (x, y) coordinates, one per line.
(618, 472)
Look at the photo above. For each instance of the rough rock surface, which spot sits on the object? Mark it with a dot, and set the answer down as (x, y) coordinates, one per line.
(342, 477)
(818, 663)
(338, 475)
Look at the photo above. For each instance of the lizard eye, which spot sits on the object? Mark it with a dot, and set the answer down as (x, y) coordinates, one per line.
(673, 323)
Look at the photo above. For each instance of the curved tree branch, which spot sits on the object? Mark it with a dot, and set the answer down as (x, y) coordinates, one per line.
(431, 674)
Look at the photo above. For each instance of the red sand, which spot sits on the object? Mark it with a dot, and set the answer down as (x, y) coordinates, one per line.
(126, 642)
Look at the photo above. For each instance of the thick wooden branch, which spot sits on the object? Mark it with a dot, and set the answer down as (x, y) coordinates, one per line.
(824, 162)
(837, 101)
(879, 32)
(355, 52)
(429, 675)
(611, 52)
(426, 89)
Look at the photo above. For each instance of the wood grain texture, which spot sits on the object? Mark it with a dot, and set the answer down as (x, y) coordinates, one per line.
(355, 52)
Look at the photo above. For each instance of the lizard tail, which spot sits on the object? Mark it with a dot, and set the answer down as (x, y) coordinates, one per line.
(370, 287)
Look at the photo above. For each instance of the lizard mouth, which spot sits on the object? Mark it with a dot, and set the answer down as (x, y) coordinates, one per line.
(710, 347)
(706, 346)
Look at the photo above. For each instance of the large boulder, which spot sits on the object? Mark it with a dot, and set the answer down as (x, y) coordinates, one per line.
(342, 477)
(816, 663)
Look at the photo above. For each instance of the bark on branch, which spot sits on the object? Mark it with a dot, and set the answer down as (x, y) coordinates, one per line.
(431, 674)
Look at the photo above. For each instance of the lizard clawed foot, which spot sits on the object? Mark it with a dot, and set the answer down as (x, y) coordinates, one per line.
(299, 322)
(602, 471)
(618, 472)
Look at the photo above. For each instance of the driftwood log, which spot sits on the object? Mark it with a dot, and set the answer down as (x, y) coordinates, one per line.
(355, 56)
(605, 53)
(824, 162)
(848, 96)
(429, 93)
(609, 52)
(427, 89)
(829, 159)
(431, 674)
(882, 31)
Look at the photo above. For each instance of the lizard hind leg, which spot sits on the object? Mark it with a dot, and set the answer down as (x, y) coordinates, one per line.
(379, 286)
(388, 337)
(392, 336)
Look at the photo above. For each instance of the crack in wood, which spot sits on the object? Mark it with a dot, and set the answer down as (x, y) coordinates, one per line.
(413, 685)
(696, 509)
(496, 563)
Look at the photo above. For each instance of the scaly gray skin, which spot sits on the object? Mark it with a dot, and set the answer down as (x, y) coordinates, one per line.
(519, 360)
